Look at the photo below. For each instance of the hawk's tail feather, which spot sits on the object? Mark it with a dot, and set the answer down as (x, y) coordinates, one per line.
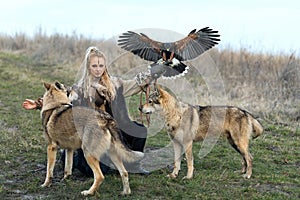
(175, 71)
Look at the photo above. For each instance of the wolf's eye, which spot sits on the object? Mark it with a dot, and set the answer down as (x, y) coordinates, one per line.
(150, 101)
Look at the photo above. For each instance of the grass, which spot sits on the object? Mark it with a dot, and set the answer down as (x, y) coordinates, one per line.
(23, 154)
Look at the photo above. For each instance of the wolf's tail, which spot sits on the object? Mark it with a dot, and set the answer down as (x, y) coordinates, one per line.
(257, 128)
(126, 154)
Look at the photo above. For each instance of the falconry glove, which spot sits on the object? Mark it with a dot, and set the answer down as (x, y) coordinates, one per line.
(143, 78)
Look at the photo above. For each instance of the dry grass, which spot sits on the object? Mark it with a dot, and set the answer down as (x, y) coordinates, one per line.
(265, 84)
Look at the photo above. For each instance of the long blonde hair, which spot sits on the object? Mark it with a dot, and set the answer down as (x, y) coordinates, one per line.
(85, 78)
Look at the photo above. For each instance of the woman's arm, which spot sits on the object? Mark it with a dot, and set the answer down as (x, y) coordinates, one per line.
(134, 86)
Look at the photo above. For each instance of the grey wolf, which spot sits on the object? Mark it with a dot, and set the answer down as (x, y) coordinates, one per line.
(187, 123)
(71, 128)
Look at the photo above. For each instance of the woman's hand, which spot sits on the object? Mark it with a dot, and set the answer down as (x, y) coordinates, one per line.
(143, 78)
(102, 90)
(29, 104)
(99, 87)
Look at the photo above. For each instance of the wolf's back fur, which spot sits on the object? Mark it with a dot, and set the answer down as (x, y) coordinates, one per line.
(227, 119)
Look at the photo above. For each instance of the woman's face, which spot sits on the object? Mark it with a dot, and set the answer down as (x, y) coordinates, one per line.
(97, 66)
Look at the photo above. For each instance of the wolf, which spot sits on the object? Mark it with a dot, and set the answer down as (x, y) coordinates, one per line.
(187, 123)
(71, 128)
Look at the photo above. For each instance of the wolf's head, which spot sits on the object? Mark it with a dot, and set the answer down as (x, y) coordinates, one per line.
(155, 101)
(56, 94)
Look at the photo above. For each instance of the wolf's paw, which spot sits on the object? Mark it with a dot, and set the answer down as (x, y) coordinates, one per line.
(238, 172)
(48, 184)
(246, 176)
(87, 192)
(66, 176)
(187, 177)
(243, 170)
(172, 175)
(126, 192)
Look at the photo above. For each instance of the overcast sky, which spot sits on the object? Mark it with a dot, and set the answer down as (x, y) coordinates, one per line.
(259, 25)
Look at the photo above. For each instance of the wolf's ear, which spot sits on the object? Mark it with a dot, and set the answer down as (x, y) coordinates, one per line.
(47, 85)
(58, 85)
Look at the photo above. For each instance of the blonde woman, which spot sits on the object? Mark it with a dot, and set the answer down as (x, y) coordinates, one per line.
(95, 88)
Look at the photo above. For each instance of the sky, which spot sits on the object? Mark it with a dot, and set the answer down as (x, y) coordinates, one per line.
(257, 25)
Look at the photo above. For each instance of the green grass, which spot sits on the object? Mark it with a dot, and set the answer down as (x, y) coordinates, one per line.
(276, 154)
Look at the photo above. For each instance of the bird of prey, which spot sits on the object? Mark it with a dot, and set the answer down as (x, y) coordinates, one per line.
(168, 57)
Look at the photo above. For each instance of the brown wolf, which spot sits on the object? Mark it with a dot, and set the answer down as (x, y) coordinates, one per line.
(71, 128)
(187, 123)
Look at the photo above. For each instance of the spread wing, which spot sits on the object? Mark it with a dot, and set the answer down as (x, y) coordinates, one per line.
(141, 45)
(187, 48)
(195, 43)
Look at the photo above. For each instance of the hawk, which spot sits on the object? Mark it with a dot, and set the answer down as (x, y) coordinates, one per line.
(168, 57)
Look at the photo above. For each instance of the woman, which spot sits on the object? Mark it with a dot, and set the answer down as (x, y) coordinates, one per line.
(97, 89)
